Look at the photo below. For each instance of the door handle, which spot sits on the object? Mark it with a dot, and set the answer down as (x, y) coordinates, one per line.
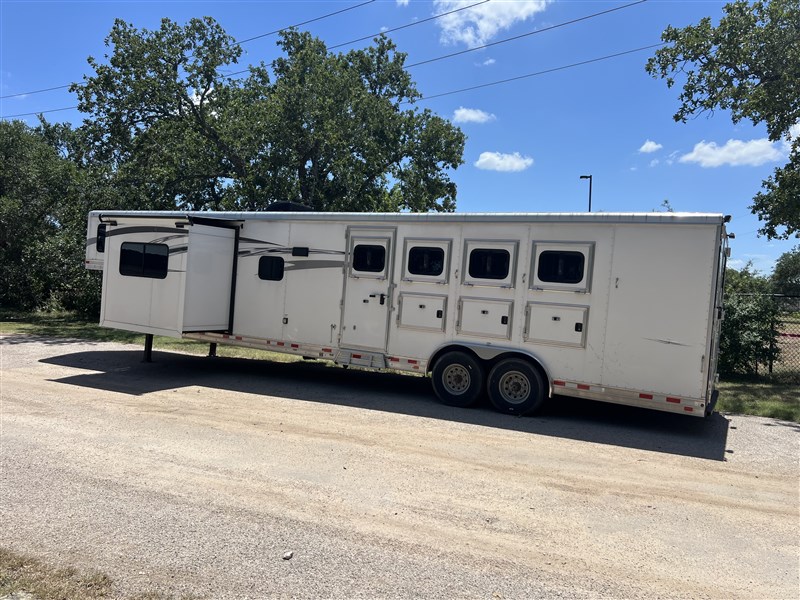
(382, 297)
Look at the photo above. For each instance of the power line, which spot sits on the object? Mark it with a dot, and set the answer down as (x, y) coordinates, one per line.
(430, 60)
(366, 37)
(338, 12)
(37, 112)
(503, 41)
(458, 91)
(553, 70)
(50, 89)
(235, 43)
(407, 25)
(517, 37)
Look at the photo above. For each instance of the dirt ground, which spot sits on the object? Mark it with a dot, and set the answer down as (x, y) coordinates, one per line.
(193, 475)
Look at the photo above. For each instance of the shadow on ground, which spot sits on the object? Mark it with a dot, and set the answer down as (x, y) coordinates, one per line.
(123, 371)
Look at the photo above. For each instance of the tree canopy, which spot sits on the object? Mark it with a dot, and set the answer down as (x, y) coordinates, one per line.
(786, 276)
(329, 131)
(749, 64)
(44, 199)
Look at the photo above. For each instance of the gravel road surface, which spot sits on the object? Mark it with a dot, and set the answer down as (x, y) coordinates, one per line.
(193, 475)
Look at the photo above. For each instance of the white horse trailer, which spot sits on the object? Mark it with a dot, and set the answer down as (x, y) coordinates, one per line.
(622, 308)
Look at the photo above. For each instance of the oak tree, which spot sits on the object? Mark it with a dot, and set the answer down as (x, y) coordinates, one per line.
(749, 65)
(330, 131)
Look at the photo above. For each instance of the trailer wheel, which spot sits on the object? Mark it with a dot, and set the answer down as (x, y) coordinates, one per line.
(515, 387)
(457, 379)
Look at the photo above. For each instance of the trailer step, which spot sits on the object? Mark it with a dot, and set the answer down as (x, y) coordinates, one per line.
(361, 358)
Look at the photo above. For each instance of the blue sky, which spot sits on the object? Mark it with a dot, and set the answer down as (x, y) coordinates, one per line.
(528, 140)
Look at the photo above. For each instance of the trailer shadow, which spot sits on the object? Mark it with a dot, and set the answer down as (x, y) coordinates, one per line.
(563, 417)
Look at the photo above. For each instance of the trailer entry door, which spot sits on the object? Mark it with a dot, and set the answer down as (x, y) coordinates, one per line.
(209, 277)
(367, 297)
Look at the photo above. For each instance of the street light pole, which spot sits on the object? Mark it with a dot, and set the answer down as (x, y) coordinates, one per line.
(589, 177)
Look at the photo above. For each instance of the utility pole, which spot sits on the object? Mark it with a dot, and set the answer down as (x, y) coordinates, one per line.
(589, 177)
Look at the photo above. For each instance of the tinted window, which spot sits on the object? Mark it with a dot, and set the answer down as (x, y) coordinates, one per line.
(100, 245)
(485, 263)
(144, 260)
(270, 268)
(425, 261)
(371, 259)
(560, 267)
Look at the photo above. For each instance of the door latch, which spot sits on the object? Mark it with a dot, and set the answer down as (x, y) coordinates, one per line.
(382, 297)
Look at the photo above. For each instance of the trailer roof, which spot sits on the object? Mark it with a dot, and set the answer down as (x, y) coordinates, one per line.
(650, 217)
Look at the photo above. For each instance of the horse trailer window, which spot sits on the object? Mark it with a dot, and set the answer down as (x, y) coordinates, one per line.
(489, 263)
(369, 258)
(270, 268)
(144, 260)
(425, 261)
(558, 266)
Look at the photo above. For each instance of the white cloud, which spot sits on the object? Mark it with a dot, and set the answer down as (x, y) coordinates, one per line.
(476, 26)
(672, 156)
(650, 146)
(402, 2)
(735, 263)
(496, 161)
(654, 162)
(488, 62)
(734, 153)
(472, 115)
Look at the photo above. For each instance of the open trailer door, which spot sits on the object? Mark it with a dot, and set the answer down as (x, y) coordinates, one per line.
(210, 275)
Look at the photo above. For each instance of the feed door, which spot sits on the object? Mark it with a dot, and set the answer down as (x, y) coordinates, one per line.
(209, 277)
(367, 295)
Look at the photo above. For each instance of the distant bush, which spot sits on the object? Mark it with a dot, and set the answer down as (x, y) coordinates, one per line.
(748, 339)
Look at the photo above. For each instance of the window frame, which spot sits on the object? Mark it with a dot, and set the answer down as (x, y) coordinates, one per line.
(511, 246)
(583, 286)
(443, 244)
(143, 271)
(358, 239)
(368, 272)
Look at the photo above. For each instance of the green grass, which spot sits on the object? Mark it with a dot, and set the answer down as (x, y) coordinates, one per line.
(778, 398)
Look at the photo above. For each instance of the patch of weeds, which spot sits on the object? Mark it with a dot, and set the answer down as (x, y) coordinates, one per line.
(26, 576)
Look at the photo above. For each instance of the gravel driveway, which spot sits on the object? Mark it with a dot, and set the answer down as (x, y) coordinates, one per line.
(193, 475)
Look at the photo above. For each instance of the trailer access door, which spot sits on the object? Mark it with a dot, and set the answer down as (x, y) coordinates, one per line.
(367, 295)
(658, 309)
(210, 267)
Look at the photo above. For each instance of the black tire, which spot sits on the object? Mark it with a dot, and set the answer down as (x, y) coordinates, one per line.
(457, 379)
(516, 387)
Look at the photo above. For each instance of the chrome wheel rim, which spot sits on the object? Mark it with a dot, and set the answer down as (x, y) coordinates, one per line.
(515, 387)
(456, 379)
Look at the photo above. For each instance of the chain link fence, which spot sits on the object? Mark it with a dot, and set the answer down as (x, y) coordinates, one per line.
(787, 335)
